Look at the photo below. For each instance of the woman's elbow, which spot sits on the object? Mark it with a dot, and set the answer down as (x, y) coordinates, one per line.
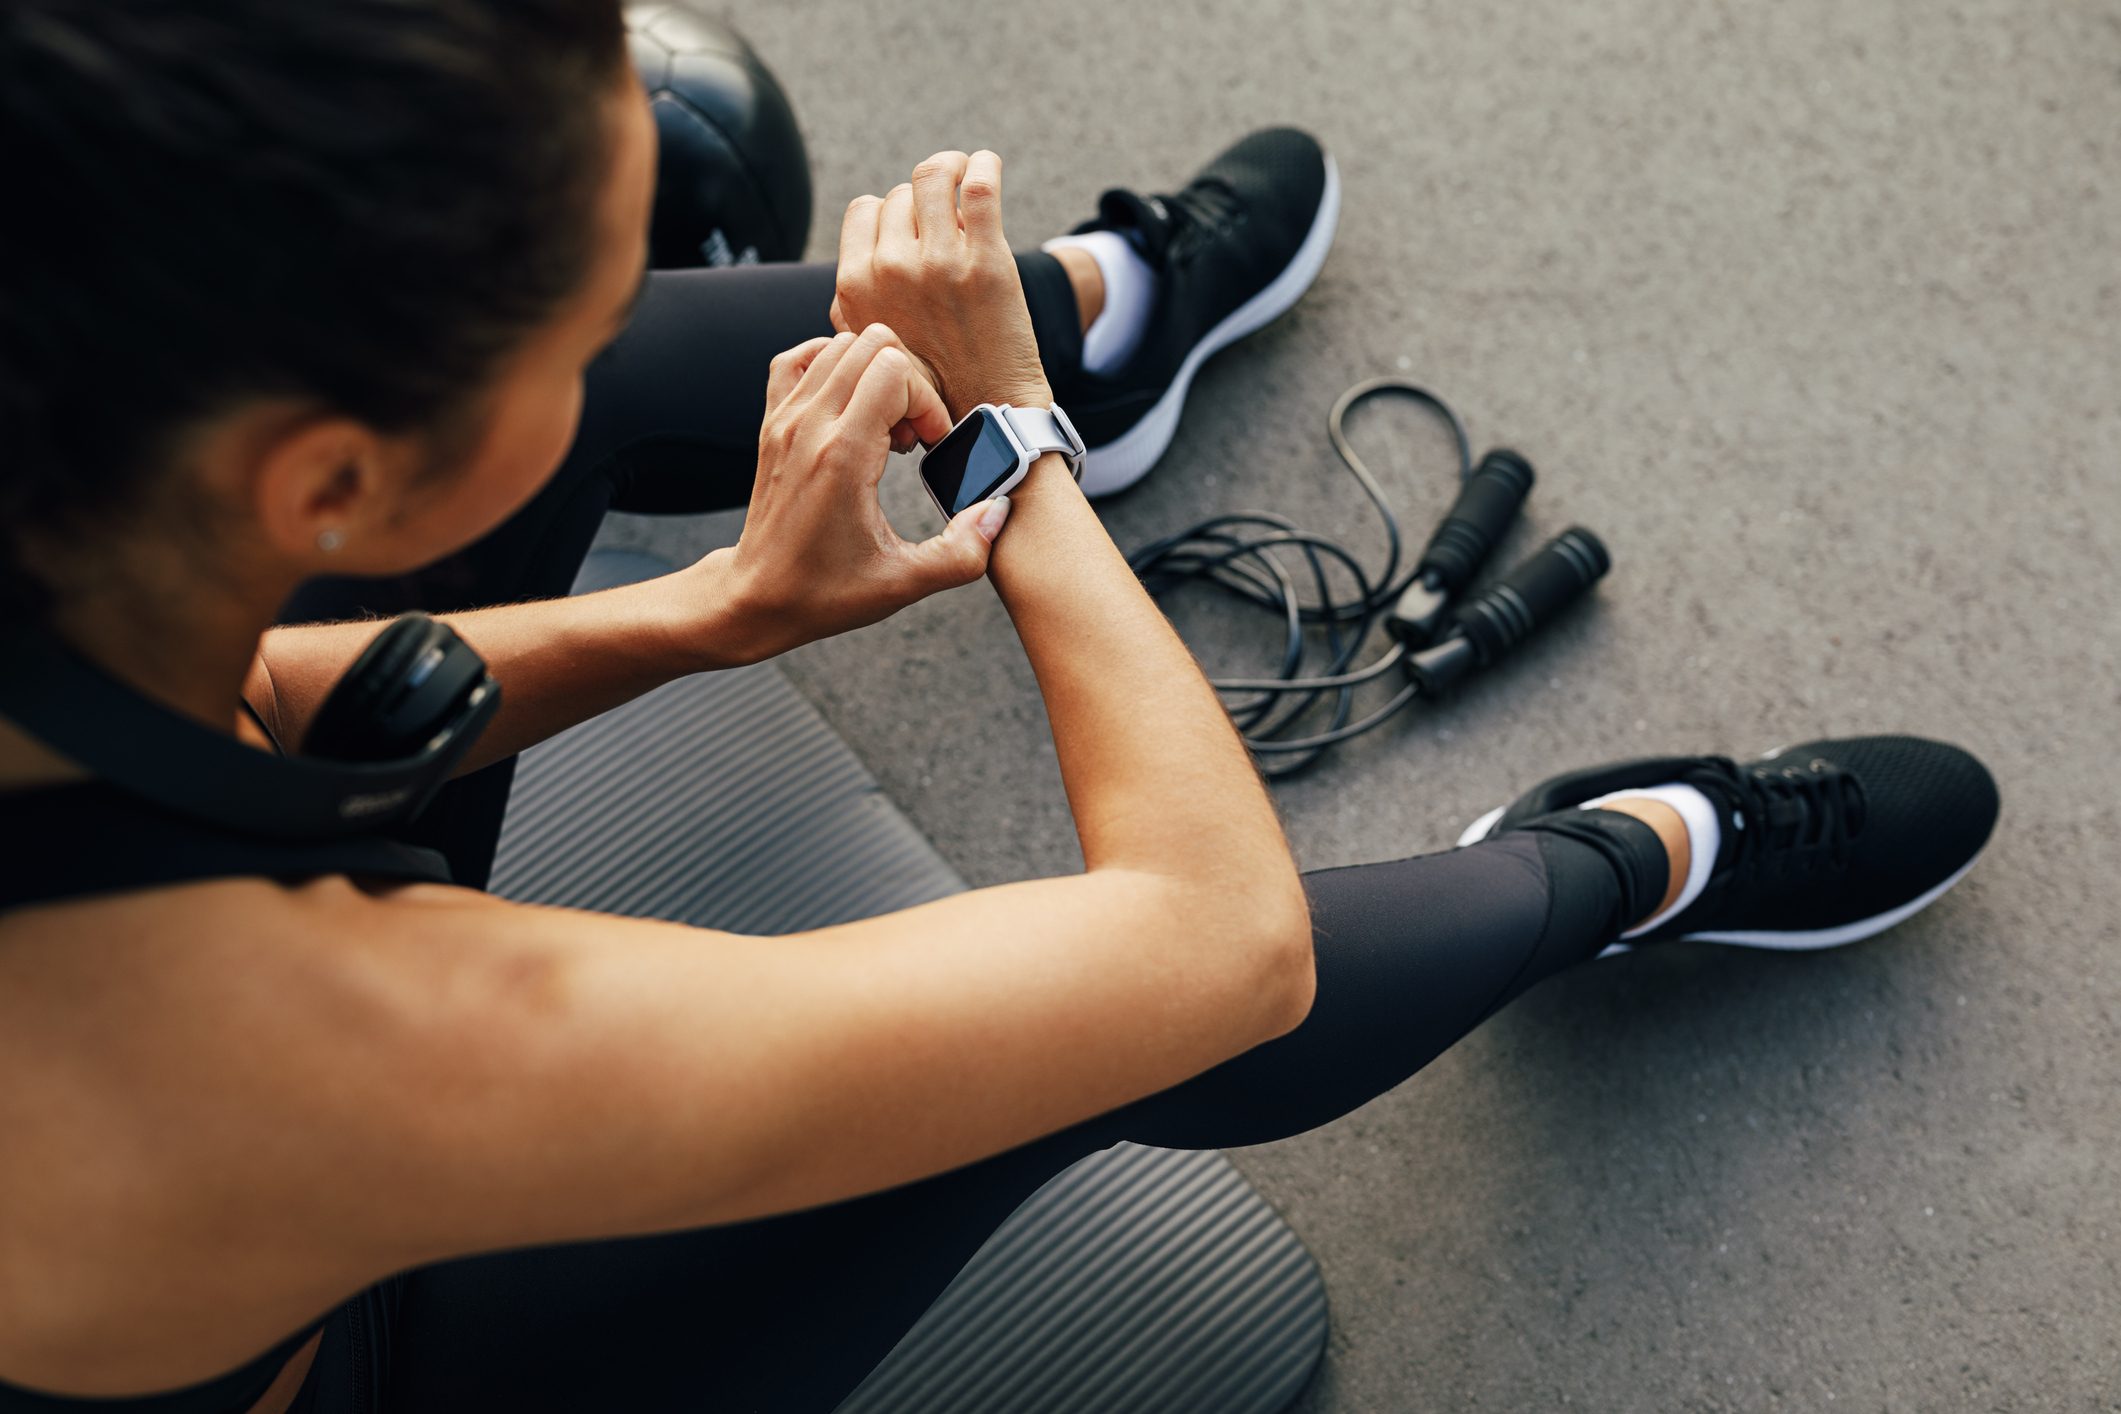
(1281, 922)
(1251, 931)
(1299, 961)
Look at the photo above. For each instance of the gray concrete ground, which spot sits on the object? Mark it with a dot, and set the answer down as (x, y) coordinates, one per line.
(1809, 309)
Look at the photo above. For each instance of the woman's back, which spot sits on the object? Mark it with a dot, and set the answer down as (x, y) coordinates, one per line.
(134, 997)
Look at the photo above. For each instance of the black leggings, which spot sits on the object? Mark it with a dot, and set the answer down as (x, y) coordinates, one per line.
(790, 1313)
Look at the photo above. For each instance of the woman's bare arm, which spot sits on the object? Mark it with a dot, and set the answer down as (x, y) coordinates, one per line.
(817, 557)
(233, 1103)
(559, 661)
(1156, 775)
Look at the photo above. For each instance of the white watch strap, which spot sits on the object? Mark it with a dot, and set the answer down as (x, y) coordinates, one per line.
(1047, 430)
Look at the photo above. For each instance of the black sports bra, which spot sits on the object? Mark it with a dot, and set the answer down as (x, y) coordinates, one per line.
(72, 840)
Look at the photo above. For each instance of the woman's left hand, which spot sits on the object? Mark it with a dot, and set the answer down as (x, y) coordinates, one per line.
(930, 260)
(818, 556)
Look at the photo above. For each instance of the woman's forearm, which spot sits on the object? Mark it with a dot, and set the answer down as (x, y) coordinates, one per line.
(817, 557)
(559, 661)
(1159, 784)
(1156, 775)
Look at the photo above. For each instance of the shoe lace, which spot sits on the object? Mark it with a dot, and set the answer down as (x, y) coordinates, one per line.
(1200, 213)
(1792, 819)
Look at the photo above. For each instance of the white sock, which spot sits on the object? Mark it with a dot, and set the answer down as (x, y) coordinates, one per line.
(1130, 297)
(1704, 833)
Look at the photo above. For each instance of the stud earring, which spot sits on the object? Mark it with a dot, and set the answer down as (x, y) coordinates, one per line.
(329, 540)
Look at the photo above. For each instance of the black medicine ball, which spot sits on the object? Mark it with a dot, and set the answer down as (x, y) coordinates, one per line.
(732, 180)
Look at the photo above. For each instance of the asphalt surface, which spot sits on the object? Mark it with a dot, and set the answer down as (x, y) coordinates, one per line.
(1809, 309)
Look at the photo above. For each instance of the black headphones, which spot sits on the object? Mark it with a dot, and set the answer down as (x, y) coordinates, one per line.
(381, 744)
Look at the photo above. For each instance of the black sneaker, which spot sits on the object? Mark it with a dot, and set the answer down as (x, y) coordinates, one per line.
(1822, 844)
(1232, 251)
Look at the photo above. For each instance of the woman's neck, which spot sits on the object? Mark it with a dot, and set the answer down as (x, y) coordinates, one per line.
(142, 611)
(187, 641)
(192, 653)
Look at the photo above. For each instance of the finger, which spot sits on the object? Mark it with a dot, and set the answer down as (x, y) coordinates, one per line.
(858, 233)
(818, 376)
(935, 193)
(979, 197)
(890, 391)
(788, 368)
(959, 555)
(839, 320)
(894, 223)
(835, 387)
(926, 412)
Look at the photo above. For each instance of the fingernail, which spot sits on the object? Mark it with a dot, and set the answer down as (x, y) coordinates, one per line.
(990, 521)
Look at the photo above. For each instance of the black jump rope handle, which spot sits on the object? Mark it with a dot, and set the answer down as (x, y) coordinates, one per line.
(1487, 627)
(1487, 502)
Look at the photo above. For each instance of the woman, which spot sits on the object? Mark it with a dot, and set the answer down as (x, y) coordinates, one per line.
(305, 298)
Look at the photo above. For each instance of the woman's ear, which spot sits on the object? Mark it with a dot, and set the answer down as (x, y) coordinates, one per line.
(323, 489)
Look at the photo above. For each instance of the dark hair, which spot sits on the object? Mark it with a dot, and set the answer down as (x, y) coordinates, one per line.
(366, 203)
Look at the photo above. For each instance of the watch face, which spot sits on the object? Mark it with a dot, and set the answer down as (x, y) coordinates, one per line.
(965, 467)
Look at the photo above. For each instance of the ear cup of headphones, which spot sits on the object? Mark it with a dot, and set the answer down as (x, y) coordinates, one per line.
(405, 684)
(341, 729)
(383, 740)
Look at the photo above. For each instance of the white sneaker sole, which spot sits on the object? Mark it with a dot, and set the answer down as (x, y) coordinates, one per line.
(1122, 462)
(1790, 941)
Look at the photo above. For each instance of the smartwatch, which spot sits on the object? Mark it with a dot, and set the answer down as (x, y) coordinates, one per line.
(992, 449)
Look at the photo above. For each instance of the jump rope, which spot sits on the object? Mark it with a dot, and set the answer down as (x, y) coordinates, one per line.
(1436, 641)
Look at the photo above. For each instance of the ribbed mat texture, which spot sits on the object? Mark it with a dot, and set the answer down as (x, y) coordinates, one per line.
(1138, 1280)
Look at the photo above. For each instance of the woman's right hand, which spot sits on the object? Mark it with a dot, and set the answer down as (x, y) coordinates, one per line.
(930, 260)
(818, 556)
